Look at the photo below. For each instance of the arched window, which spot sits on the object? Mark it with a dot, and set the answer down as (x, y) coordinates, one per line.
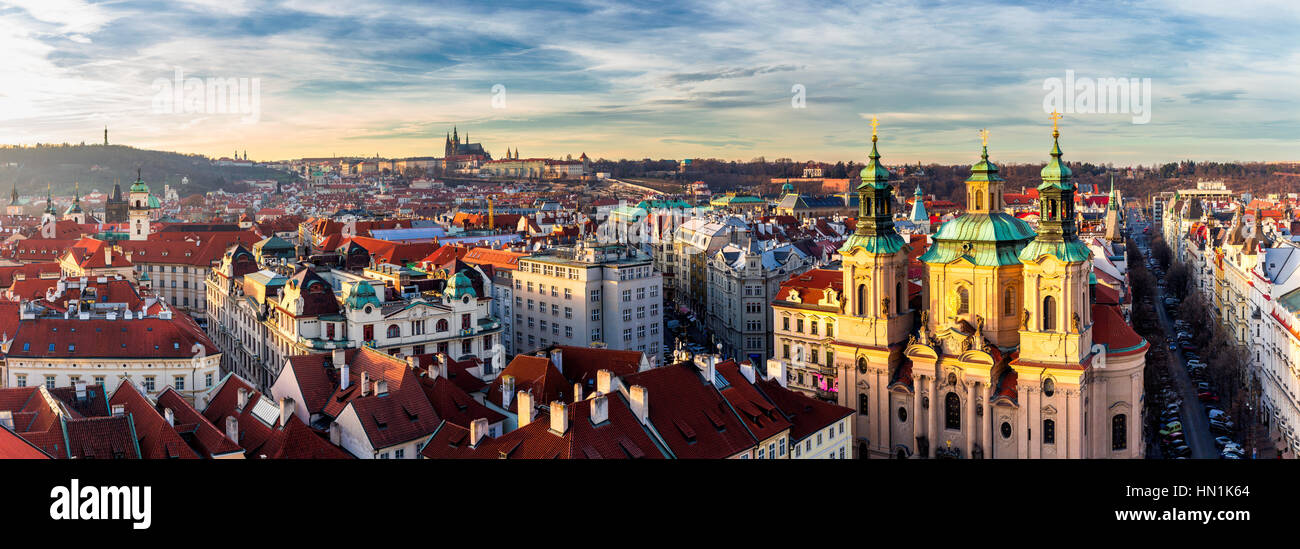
(1009, 302)
(862, 299)
(441, 326)
(1049, 387)
(862, 403)
(1119, 432)
(1049, 313)
(394, 331)
(1049, 431)
(963, 300)
(900, 298)
(868, 207)
(952, 411)
(979, 200)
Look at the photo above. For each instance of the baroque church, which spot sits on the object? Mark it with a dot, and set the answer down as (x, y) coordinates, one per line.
(1007, 355)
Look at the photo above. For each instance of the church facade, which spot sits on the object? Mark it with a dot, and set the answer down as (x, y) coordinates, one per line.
(1004, 355)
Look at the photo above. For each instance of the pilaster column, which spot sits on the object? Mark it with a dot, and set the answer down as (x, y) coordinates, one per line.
(1075, 439)
(881, 421)
(1022, 415)
(968, 421)
(916, 411)
(935, 401)
(1036, 419)
(987, 429)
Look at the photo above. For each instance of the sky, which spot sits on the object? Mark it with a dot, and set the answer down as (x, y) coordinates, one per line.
(732, 79)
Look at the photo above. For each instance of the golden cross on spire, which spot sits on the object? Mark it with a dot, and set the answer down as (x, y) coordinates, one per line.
(1055, 116)
(874, 123)
(984, 136)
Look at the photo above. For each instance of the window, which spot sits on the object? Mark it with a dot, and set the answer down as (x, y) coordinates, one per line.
(1049, 313)
(22, 380)
(640, 293)
(1049, 431)
(99, 380)
(785, 323)
(798, 325)
(1009, 302)
(399, 454)
(568, 312)
(640, 312)
(785, 351)
(179, 383)
(963, 300)
(568, 293)
(1049, 387)
(595, 315)
(862, 299)
(952, 412)
(466, 346)
(862, 404)
(394, 331)
(902, 414)
(383, 455)
(760, 453)
(595, 334)
(1006, 430)
(812, 327)
(782, 447)
(595, 296)
(627, 315)
(207, 379)
(1119, 432)
(627, 334)
(441, 325)
(148, 383)
(830, 330)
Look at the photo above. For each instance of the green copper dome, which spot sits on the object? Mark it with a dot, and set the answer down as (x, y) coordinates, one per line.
(787, 188)
(139, 186)
(362, 294)
(459, 286)
(873, 174)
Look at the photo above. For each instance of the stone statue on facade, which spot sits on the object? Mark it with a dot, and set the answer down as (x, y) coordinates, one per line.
(1075, 322)
(1024, 320)
(884, 306)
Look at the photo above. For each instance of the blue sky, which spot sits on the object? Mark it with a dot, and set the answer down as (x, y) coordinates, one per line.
(658, 79)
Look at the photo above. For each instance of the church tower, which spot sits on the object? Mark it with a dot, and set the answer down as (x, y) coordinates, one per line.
(875, 316)
(138, 207)
(1113, 221)
(1056, 339)
(74, 212)
(50, 215)
(920, 218)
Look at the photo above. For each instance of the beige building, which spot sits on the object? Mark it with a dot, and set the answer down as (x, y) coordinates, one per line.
(589, 295)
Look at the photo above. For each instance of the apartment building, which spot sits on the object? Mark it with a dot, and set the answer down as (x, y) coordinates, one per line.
(742, 280)
(589, 295)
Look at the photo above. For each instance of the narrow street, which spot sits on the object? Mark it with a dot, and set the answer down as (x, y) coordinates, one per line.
(1196, 424)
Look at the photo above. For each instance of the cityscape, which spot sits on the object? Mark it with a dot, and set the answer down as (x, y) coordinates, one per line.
(297, 236)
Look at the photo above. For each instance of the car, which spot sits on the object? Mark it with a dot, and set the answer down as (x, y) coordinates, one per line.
(1220, 428)
(1173, 346)
(1202, 387)
(1234, 450)
(1172, 427)
(1180, 451)
(1173, 440)
(1207, 396)
(1187, 346)
(1219, 416)
(1229, 455)
(1223, 441)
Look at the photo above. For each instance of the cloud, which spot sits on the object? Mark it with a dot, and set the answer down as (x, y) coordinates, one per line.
(1224, 95)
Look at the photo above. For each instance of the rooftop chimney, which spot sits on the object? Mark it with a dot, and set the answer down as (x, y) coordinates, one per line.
(232, 428)
(81, 390)
(605, 381)
(412, 362)
(241, 399)
(507, 390)
(336, 433)
(108, 256)
(381, 387)
(444, 365)
(339, 357)
(776, 371)
(169, 416)
(525, 408)
(559, 418)
(557, 358)
(747, 370)
(365, 384)
(286, 410)
(599, 409)
(577, 392)
(640, 403)
(478, 429)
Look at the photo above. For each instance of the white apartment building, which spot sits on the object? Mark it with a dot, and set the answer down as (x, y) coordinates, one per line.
(743, 280)
(589, 295)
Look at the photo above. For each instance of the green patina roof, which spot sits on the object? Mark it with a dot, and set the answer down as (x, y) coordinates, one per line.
(873, 174)
(459, 286)
(361, 294)
(887, 243)
(139, 186)
(984, 170)
(1056, 173)
(153, 202)
(1070, 251)
(988, 239)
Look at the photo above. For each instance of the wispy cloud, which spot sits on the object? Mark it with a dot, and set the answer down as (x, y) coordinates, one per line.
(661, 79)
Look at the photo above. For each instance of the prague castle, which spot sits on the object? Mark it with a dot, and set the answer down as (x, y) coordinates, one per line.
(1005, 352)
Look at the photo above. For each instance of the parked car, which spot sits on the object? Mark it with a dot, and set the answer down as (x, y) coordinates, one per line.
(1172, 427)
(1229, 455)
(1180, 451)
(1221, 428)
(1223, 441)
(1208, 396)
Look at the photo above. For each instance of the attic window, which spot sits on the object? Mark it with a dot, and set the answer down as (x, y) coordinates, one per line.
(51, 347)
(716, 420)
(630, 448)
(176, 345)
(27, 346)
(381, 424)
(687, 432)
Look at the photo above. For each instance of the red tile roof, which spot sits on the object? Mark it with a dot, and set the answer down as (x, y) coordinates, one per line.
(402, 415)
(1110, 329)
(532, 374)
(100, 338)
(760, 415)
(620, 436)
(13, 446)
(806, 415)
(157, 439)
(690, 415)
(202, 436)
